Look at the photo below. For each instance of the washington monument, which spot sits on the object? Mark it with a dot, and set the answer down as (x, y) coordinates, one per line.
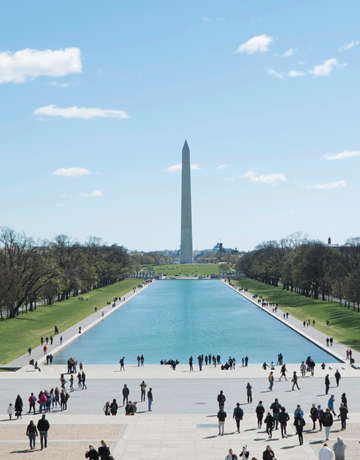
(186, 248)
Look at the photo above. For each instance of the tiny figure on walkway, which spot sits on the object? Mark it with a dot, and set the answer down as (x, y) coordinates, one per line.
(337, 377)
(122, 363)
(142, 390)
(260, 410)
(221, 415)
(295, 381)
(150, 399)
(249, 393)
(238, 415)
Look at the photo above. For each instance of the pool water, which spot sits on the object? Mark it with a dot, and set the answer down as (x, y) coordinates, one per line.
(179, 318)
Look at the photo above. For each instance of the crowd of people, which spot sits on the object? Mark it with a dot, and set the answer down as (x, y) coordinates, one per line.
(129, 406)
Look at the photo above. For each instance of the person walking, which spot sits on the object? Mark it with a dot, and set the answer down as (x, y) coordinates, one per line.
(331, 404)
(271, 380)
(343, 412)
(221, 399)
(339, 449)
(71, 380)
(269, 422)
(313, 415)
(43, 426)
(122, 363)
(268, 454)
(18, 407)
(260, 410)
(143, 390)
(327, 422)
(221, 415)
(113, 407)
(283, 371)
(303, 369)
(327, 384)
(32, 401)
(83, 378)
(249, 393)
(92, 453)
(125, 393)
(320, 414)
(299, 424)
(191, 360)
(276, 406)
(337, 377)
(238, 416)
(295, 381)
(150, 398)
(104, 451)
(325, 453)
(283, 419)
(10, 411)
(32, 432)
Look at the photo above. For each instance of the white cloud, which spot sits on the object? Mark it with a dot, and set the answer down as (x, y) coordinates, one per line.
(329, 185)
(289, 52)
(350, 45)
(80, 112)
(221, 167)
(66, 84)
(258, 44)
(302, 62)
(341, 156)
(71, 172)
(179, 168)
(207, 19)
(273, 72)
(94, 193)
(324, 69)
(28, 64)
(296, 73)
(272, 179)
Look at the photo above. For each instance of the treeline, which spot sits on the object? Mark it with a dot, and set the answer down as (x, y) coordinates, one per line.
(310, 268)
(33, 270)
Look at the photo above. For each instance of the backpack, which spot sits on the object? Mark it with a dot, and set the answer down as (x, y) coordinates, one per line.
(326, 420)
(32, 399)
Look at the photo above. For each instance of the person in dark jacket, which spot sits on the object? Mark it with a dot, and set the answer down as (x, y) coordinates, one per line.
(276, 406)
(299, 424)
(319, 416)
(221, 399)
(269, 421)
(221, 417)
(125, 393)
(283, 419)
(260, 410)
(295, 381)
(18, 407)
(343, 415)
(92, 453)
(238, 415)
(344, 399)
(268, 454)
(327, 384)
(31, 432)
(249, 393)
(104, 451)
(327, 422)
(114, 407)
(313, 415)
(337, 377)
(43, 426)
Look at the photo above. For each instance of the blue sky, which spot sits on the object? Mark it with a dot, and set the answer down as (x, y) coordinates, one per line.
(267, 91)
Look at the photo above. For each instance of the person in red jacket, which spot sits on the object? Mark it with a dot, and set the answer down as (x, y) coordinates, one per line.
(32, 401)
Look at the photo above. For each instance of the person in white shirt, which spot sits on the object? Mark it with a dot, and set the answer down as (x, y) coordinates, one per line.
(325, 453)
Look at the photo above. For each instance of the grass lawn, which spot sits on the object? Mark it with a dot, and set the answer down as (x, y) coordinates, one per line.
(18, 334)
(345, 323)
(184, 269)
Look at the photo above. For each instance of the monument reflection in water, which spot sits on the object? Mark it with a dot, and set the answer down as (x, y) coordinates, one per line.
(176, 319)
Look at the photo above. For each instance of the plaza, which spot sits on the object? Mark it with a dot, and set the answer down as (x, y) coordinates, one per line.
(183, 421)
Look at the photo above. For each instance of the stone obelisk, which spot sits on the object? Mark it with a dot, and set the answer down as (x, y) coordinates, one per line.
(186, 249)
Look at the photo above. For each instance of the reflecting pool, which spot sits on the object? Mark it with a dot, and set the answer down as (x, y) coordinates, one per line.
(179, 318)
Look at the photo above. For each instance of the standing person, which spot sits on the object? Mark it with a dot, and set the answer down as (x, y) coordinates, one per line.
(295, 381)
(276, 406)
(71, 382)
(122, 363)
(10, 411)
(343, 412)
(79, 377)
(268, 454)
(138, 360)
(221, 399)
(331, 404)
(298, 411)
(283, 419)
(299, 425)
(104, 451)
(271, 380)
(113, 407)
(230, 456)
(150, 398)
(344, 399)
(29, 351)
(238, 415)
(142, 359)
(92, 453)
(269, 421)
(303, 369)
(283, 371)
(142, 390)
(125, 393)
(32, 401)
(83, 378)
(106, 409)
(246, 361)
(327, 422)
(337, 377)
(221, 415)
(61, 340)
(339, 449)
(191, 359)
(313, 415)
(325, 453)
(32, 432)
(312, 366)
(249, 393)
(260, 410)
(244, 453)
(200, 361)
(18, 407)
(327, 384)
(320, 414)
(43, 426)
